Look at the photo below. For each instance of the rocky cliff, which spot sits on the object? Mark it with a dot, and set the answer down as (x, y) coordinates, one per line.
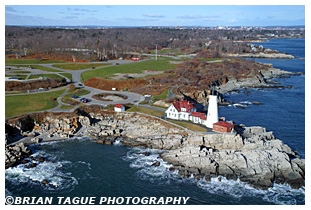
(255, 157)
(251, 155)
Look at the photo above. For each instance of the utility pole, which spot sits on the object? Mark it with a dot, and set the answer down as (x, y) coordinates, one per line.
(156, 51)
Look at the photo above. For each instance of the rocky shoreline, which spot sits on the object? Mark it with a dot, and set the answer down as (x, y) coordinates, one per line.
(275, 55)
(251, 154)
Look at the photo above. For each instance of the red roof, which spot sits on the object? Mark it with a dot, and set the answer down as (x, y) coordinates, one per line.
(118, 106)
(201, 115)
(183, 104)
(224, 124)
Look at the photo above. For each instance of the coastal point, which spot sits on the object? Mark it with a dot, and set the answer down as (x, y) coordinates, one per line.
(251, 155)
(150, 115)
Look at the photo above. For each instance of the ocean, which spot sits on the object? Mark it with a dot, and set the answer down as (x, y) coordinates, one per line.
(80, 168)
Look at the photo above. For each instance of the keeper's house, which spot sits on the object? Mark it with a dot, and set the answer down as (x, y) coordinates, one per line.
(180, 110)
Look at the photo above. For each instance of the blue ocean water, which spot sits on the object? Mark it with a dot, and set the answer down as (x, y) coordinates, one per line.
(79, 167)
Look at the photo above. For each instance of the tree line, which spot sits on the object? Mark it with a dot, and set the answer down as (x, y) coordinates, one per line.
(111, 43)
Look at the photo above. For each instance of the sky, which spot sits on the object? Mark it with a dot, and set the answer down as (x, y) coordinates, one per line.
(194, 13)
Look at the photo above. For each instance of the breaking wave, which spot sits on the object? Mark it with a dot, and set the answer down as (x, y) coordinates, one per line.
(144, 159)
(48, 174)
(150, 166)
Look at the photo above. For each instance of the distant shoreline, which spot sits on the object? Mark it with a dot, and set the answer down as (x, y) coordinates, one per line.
(262, 55)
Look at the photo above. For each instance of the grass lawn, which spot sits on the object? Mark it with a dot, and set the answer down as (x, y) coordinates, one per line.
(188, 125)
(20, 72)
(145, 111)
(44, 68)
(35, 66)
(131, 68)
(162, 96)
(29, 61)
(68, 75)
(79, 66)
(22, 104)
(18, 76)
(185, 124)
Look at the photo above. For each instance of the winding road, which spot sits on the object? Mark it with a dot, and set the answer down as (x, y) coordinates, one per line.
(132, 98)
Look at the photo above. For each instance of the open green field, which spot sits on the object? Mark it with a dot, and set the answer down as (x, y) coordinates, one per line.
(29, 61)
(22, 104)
(145, 111)
(79, 66)
(35, 66)
(162, 64)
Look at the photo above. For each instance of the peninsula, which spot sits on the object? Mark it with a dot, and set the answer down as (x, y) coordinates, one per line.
(252, 155)
(179, 67)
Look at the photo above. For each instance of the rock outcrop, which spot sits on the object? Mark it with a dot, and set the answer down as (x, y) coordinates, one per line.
(252, 155)
(15, 154)
(275, 55)
(255, 157)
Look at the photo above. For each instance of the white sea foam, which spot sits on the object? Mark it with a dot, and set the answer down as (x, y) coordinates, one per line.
(283, 194)
(278, 194)
(50, 170)
(118, 142)
(143, 160)
(246, 102)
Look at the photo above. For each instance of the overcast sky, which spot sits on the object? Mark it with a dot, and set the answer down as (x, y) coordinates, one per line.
(156, 15)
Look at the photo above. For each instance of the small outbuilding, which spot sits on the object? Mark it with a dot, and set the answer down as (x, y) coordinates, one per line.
(222, 126)
(119, 108)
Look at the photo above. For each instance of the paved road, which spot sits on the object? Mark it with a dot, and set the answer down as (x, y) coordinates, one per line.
(132, 98)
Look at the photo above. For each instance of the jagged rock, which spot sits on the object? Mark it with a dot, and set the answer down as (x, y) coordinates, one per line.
(253, 155)
(45, 181)
(41, 159)
(156, 163)
(31, 165)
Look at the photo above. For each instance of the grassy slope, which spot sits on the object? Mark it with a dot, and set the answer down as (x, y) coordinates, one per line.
(138, 67)
(22, 104)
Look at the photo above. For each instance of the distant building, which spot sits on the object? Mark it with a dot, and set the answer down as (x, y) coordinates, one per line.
(119, 108)
(180, 110)
(222, 126)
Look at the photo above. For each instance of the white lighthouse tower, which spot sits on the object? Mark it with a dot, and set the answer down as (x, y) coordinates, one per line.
(212, 112)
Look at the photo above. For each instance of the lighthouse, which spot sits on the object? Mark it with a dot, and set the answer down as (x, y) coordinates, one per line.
(212, 112)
